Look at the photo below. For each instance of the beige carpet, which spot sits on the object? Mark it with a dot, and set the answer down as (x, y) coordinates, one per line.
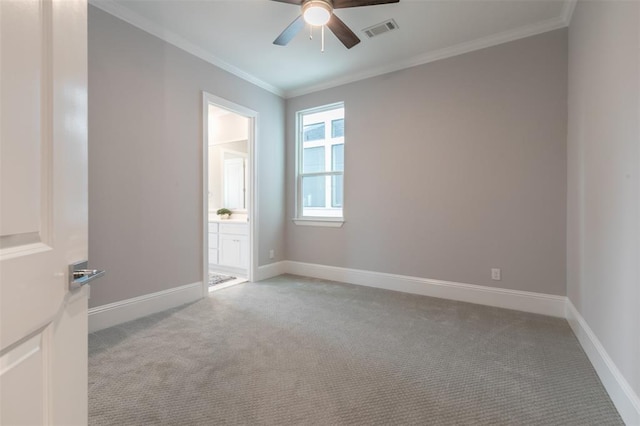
(292, 350)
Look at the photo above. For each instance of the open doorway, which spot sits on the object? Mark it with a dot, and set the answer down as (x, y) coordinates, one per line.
(229, 142)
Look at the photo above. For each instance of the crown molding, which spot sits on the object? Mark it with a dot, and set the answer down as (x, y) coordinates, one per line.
(447, 52)
(154, 29)
(567, 11)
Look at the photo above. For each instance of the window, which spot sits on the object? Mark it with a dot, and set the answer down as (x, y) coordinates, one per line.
(320, 164)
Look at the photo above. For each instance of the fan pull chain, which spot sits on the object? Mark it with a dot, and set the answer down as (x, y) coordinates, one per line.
(322, 49)
(310, 32)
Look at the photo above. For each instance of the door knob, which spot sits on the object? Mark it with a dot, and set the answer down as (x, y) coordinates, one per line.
(80, 275)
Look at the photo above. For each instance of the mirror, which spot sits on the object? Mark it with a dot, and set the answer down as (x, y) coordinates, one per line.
(228, 176)
(228, 160)
(234, 179)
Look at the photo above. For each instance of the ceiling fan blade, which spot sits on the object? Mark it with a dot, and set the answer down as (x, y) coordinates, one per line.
(341, 4)
(344, 33)
(298, 2)
(290, 32)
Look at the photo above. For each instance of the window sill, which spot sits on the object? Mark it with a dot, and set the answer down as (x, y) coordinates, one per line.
(323, 222)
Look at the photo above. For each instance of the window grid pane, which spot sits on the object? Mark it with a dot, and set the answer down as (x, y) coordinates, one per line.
(337, 128)
(313, 191)
(336, 190)
(337, 158)
(313, 132)
(313, 160)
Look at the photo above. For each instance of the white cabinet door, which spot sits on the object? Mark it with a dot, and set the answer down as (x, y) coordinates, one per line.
(233, 250)
(43, 199)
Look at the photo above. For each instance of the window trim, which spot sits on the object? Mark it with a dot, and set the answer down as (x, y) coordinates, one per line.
(325, 221)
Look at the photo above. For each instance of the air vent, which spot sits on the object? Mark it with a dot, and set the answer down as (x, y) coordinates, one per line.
(381, 28)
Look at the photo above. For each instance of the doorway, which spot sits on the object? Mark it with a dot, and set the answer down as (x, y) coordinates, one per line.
(228, 177)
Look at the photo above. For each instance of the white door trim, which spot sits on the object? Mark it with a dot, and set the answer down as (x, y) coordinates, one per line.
(252, 210)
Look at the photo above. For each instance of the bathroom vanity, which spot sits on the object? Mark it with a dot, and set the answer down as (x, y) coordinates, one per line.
(229, 245)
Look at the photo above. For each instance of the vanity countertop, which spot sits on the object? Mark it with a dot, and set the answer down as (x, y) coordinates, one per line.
(216, 219)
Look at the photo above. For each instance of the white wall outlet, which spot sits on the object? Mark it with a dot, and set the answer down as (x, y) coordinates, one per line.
(496, 274)
(272, 254)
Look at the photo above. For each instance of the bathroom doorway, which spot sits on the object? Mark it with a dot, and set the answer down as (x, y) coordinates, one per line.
(229, 207)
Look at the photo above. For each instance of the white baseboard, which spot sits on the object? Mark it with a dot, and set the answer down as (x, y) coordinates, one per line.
(269, 271)
(621, 393)
(538, 303)
(116, 313)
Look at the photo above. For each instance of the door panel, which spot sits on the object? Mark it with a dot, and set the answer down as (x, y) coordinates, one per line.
(25, 150)
(22, 30)
(43, 199)
(23, 365)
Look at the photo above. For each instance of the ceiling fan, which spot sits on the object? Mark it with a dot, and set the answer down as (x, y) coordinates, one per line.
(320, 13)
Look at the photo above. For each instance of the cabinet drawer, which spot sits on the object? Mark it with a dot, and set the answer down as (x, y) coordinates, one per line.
(234, 228)
(213, 227)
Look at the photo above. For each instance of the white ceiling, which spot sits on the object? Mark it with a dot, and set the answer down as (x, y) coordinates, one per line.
(237, 35)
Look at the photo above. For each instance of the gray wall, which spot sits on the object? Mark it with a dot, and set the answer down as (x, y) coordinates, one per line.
(452, 168)
(603, 236)
(145, 160)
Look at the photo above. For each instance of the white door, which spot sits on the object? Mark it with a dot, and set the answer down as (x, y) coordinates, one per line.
(43, 211)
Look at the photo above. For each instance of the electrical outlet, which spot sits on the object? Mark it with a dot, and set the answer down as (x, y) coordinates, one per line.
(272, 254)
(496, 274)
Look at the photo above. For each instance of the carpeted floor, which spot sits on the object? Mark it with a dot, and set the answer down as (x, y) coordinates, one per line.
(293, 350)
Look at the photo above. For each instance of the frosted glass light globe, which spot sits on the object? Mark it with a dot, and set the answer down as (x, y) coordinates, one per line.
(316, 13)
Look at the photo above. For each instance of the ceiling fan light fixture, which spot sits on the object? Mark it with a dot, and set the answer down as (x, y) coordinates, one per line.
(316, 12)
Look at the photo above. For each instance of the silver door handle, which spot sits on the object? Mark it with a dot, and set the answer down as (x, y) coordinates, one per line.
(79, 275)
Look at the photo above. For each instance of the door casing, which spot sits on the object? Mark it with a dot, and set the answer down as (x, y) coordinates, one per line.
(252, 208)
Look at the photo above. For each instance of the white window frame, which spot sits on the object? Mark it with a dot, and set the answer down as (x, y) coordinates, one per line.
(330, 221)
